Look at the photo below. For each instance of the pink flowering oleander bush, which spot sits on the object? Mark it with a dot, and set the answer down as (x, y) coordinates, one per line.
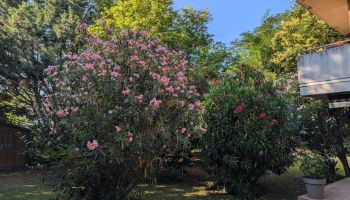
(118, 108)
(251, 131)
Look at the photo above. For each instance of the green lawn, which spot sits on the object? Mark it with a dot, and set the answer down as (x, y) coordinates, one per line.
(23, 186)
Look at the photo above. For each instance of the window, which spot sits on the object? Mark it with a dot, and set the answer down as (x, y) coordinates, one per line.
(7, 140)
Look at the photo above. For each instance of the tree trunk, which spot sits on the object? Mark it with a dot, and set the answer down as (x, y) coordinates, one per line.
(341, 119)
(343, 159)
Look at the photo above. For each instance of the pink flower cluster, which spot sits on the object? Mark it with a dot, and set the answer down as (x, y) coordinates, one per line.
(155, 103)
(262, 115)
(65, 112)
(126, 91)
(151, 78)
(240, 108)
(139, 98)
(92, 145)
(130, 137)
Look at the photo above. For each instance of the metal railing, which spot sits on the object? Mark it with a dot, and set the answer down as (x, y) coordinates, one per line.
(327, 46)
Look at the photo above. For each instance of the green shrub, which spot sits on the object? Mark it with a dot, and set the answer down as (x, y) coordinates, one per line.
(118, 108)
(250, 130)
(314, 166)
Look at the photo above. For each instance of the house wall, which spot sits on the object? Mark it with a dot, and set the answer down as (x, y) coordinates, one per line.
(325, 72)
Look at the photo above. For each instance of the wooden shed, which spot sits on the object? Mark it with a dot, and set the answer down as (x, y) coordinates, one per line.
(11, 147)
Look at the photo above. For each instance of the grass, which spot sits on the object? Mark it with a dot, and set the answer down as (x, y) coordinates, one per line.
(23, 186)
(285, 187)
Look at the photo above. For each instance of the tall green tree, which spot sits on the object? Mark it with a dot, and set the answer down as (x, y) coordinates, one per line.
(185, 30)
(300, 31)
(281, 38)
(255, 47)
(33, 35)
(274, 46)
(153, 16)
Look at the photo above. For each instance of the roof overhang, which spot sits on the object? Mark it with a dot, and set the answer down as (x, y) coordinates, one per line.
(335, 13)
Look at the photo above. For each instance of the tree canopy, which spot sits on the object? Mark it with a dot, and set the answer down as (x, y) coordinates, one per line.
(280, 39)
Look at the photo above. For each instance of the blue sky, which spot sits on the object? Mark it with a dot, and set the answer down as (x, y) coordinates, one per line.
(232, 17)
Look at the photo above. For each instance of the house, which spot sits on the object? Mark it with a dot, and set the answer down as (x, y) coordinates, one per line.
(11, 147)
(324, 72)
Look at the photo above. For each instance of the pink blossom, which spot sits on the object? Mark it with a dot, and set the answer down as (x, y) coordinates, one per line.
(170, 89)
(139, 98)
(181, 77)
(134, 58)
(85, 78)
(74, 109)
(89, 66)
(183, 130)
(240, 108)
(191, 106)
(142, 63)
(116, 68)
(102, 65)
(118, 129)
(154, 75)
(267, 95)
(85, 55)
(262, 115)
(51, 70)
(182, 103)
(102, 72)
(274, 122)
(96, 56)
(126, 91)
(61, 113)
(197, 103)
(155, 103)
(165, 80)
(92, 145)
(180, 74)
(130, 137)
(114, 75)
(110, 112)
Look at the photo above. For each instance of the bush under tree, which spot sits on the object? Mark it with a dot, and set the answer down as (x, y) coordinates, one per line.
(251, 132)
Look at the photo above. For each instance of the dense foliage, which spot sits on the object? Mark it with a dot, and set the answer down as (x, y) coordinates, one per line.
(323, 130)
(119, 106)
(280, 39)
(274, 47)
(251, 131)
(185, 30)
(33, 35)
(314, 166)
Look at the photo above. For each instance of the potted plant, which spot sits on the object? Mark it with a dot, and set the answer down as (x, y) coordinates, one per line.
(314, 169)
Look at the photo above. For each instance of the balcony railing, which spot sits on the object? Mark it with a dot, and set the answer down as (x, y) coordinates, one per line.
(325, 71)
